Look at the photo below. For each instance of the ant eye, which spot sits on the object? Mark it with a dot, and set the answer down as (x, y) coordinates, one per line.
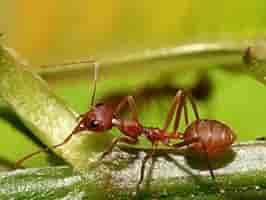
(98, 104)
(94, 124)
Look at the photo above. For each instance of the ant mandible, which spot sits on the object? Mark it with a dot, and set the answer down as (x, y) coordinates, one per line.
(206, 137)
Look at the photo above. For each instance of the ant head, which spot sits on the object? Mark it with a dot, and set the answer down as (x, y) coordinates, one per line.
(98, 119)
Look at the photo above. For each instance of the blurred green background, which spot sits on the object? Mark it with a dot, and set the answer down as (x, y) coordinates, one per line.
(50, 31)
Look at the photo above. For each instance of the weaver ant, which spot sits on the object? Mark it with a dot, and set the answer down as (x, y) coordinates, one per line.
(209, 138)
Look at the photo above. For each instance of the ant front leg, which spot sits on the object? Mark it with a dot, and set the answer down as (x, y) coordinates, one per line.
(115, 141)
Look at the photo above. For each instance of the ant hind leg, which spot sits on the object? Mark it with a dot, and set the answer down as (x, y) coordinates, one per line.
(208, 161)
(191, 141)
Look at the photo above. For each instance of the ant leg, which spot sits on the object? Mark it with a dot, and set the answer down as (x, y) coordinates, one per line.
(176, 102)
(114, 143)
(185, 112)
(147, 156)
(194, 107)
(132, 107)
(208, 161)
(182, 104)
(191, 141)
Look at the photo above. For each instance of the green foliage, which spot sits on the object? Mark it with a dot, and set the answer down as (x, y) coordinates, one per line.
(51, 120)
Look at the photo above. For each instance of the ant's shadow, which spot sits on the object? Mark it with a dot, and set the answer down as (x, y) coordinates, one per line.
(190, 162)
(126, 156)
(194, 161)
(200, 163)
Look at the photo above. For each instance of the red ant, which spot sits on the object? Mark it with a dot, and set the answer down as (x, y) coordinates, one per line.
(206, 137)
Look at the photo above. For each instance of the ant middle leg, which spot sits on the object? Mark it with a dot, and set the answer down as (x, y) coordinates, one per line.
(146, 158)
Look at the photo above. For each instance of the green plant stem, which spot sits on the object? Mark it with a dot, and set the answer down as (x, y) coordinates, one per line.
(226, 52)
(255, 60)
(169, 176)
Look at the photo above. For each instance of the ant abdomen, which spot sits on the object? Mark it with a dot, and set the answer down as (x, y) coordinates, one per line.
(214, 137)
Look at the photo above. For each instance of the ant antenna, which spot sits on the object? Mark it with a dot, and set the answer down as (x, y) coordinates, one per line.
(79, 62)
(73, 62)
(96, 68)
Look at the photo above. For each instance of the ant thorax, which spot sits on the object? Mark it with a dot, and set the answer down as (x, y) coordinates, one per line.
(129, 128)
